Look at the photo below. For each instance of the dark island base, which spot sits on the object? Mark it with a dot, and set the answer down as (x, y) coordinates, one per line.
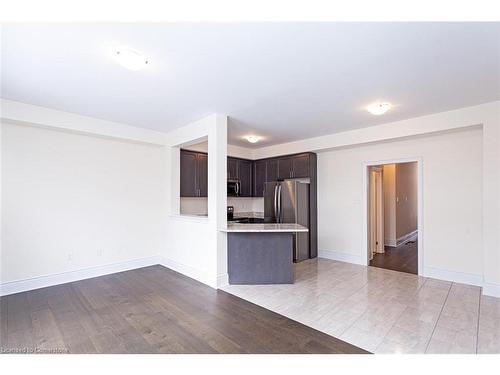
(260, 258)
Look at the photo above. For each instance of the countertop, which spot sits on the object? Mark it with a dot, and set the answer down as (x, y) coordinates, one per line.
(268, 227)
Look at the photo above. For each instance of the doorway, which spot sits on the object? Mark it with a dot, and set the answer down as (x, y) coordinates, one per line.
(393, 216)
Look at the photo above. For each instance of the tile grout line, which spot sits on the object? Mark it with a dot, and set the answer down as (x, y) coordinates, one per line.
(343, 300)
(348, 327)
(478, 319)
(352, 324)
(402, 312)
(437, 320)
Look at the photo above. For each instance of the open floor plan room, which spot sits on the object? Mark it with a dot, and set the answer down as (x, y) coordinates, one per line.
(250, 188)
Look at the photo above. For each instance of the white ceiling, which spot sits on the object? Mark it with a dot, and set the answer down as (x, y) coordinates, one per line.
(281, 81)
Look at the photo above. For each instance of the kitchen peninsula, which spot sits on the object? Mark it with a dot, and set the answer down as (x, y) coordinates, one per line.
(261, 253)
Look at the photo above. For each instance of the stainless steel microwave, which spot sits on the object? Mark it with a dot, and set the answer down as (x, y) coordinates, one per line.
(233, 188)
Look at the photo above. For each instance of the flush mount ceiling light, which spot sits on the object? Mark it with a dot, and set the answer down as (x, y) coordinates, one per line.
(378, 108)
(252, 138)
(130, 59)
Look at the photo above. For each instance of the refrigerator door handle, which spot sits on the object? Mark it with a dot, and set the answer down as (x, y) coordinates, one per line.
(279, 205)
(276, 203)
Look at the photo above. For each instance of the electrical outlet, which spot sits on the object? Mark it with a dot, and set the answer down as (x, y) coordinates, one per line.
(70, 256)
(100, 252)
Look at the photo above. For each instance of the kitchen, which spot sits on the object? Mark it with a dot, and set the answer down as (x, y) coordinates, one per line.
(271, 212)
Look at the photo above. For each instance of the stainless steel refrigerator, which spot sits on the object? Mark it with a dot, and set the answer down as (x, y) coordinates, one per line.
(288, 202)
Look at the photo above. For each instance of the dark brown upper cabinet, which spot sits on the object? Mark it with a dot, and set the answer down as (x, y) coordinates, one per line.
(203, 175)
(254, 174)
(245, 177)
(241, 170)
(265, 170)
(285, 167)
(300, 166)
(293, 166)
(259, 177)
(193, 174)
(272, 170)
(232, 168)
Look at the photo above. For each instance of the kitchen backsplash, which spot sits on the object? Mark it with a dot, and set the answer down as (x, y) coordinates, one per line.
(194, 206)
(199, 206)
(246, 204)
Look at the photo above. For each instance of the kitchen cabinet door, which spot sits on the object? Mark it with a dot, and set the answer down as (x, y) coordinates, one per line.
(271, 170)
(202, 175)
(300, 166)
(285, 167)
(232, 169)
(259, 177)
(245, 177)
(188, 174)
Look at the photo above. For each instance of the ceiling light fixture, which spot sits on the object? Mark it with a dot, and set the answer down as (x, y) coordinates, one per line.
(252, 138)
(378, 108)
(130, 59)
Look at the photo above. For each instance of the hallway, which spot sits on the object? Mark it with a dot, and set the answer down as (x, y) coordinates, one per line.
(403, 258)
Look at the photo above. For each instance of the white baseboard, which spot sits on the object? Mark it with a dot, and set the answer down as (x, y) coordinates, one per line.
(342, 257)
(391, 242)
(222, 280)
(18, 286)
(189, 271)
(407, 237)
(492, 290)
(456, 277)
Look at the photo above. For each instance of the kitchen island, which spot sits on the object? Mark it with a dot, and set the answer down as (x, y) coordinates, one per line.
(261, 253)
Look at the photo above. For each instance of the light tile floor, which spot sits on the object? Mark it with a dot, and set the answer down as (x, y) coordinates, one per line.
(384, 311)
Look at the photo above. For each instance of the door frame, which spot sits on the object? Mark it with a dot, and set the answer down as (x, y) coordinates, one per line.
(379, 211)
(420, 206)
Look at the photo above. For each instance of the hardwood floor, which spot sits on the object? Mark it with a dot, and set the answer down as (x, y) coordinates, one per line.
(150, 310)
(403, 258)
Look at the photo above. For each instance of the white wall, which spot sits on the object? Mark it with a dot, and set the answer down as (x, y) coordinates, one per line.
(196, 246)
(452, 202)
(73, 201)
(84, 197)
(491, 201)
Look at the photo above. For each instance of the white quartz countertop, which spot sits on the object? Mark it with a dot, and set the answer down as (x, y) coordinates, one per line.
(267, 227)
